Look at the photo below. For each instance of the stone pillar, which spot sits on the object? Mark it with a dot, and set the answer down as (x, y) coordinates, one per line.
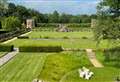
(93, 22)
(30, 23)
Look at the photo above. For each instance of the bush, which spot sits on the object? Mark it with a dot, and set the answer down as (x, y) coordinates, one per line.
(65, 37)
(6, 48)
(11, 23)
(40, 49)
(84, 37)
(23, 37)
(113, 55)
(47, 25)
(81, 25)
(46, 37)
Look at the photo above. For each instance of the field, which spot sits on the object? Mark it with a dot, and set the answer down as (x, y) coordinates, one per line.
(57, 67)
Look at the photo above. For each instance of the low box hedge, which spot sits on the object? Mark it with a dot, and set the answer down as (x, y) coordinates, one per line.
(40, 49)
(8, 48)
(23, 37)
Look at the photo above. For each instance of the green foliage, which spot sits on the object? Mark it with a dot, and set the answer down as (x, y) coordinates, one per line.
(81, 25)
(11, 23)
(40, 49)
(54, 18)
(113, 55)
(7, 48)
(23, 37)
(47, 25)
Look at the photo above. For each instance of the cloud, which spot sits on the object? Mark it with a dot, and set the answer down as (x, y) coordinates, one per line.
(66, 6)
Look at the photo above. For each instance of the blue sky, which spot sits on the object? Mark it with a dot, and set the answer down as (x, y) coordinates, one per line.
(62, 6)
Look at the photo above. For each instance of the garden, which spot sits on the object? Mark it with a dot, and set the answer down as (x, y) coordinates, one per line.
(59, 47)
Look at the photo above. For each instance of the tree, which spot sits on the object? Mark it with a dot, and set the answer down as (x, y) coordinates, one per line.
(110, 6)
(64, 18)
(54, 18)
(11, 9)
(11, 23)
(108, 21)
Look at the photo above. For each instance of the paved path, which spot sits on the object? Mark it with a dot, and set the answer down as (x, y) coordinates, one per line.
(15, 38)
(93, 59)
(8, 56)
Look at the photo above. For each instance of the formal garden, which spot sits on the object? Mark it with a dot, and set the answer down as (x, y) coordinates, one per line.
(64, 50)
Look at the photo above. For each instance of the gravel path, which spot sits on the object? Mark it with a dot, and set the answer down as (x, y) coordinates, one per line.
(93, 59)
(8, 57)
(15, 38)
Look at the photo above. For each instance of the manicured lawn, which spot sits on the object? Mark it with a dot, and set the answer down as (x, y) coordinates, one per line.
(57, 65)
(23, 68)
(100, 75)
(38, 34)
(65, 43)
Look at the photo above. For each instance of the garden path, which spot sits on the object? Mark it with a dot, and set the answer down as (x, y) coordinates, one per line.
(93, 59)
(8, 56)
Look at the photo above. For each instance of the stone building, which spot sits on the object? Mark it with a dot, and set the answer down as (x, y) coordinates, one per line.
(30, 23)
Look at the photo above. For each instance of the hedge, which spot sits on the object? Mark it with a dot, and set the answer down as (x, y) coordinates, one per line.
(47, 25)
(82, 25)
(6, 48)
(40, 49)
(23, 37)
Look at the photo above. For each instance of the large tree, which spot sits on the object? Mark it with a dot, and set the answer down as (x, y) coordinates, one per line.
(108, 25)
(54, 18)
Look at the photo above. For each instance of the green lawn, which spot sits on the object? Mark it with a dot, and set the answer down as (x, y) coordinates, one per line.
(57, 65)
(23, 68)
(60, 34)
(65, 43)
(100, 75)
(2, 53)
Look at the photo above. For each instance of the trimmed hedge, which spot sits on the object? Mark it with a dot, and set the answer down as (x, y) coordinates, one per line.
(82, 25)
(47, 25)
(23, 37)
(40, 49)
(8, 48)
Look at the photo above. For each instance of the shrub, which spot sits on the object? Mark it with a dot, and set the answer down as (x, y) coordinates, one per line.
(46, 37)
(84, 37)
(65, 37)
(23, 37)
(40, 49)
(7, 48)
(47, 25)
(11, 23)
(113, 55)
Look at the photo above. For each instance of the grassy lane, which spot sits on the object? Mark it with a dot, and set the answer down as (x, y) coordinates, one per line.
(57, 65)
(23, 68)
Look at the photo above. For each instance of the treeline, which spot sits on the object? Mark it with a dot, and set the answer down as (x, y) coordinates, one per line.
(24, 13)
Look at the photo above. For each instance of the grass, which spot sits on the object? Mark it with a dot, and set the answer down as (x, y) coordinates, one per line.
(65, 43)
(60, 34)
(57, 65)
(23, 68)
(52, 67)
(100, 75)
(2, 53)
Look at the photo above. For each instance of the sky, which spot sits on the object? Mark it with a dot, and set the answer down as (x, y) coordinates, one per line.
(62, 6)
